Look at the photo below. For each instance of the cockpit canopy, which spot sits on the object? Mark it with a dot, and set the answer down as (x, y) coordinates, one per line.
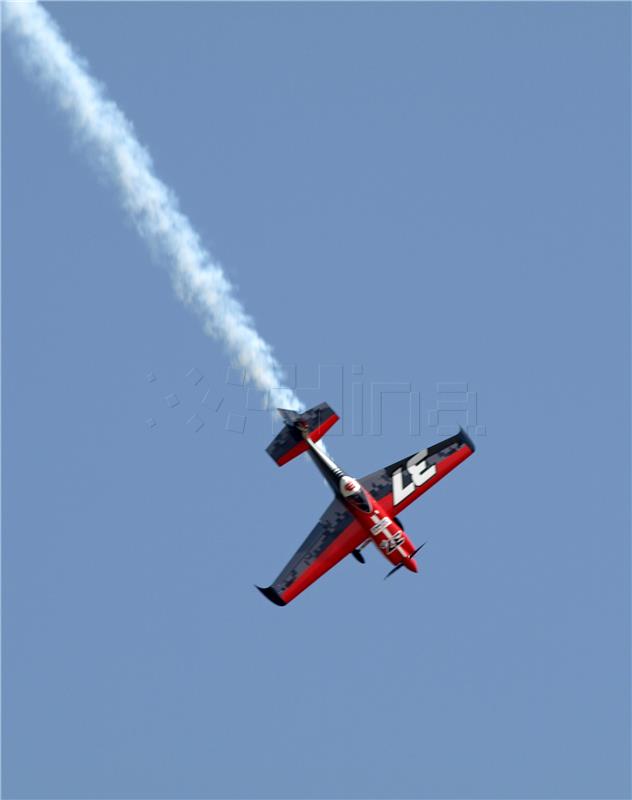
(360, 500)
(352, 491)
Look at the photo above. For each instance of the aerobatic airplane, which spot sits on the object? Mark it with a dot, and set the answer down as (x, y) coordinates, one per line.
(363, 511)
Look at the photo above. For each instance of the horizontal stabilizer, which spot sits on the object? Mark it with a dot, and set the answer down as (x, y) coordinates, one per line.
(290, 441)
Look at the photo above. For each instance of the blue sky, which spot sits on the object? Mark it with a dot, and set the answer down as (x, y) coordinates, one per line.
(409, 196)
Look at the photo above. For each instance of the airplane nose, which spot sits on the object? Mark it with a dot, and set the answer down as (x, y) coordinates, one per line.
(410, 564)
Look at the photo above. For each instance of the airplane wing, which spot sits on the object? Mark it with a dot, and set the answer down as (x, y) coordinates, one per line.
(399, 484)
(335, 535)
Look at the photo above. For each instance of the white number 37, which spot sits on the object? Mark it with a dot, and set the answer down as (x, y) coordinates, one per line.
(419, 473)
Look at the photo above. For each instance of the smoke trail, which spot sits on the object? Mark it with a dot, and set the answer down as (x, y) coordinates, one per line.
(198, 279)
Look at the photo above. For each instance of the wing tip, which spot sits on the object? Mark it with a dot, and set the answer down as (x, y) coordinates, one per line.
(467, 440)
(272, 595)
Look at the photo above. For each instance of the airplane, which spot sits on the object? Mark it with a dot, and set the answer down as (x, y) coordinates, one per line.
(363, 511)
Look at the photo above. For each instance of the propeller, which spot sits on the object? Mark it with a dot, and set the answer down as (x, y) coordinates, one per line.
(403, 563)
(399, 566)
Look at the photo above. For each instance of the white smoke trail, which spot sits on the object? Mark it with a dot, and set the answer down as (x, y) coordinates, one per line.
(198, 279)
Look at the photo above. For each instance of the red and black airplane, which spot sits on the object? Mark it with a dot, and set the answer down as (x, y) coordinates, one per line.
(363, 511)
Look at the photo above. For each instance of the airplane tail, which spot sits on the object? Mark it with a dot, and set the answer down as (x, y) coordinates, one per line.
(290, 441)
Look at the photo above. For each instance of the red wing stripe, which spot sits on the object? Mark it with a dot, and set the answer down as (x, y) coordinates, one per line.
(443, 467)
(352, 537)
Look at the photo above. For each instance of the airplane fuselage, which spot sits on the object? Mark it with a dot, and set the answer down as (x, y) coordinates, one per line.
(362, 511)
(386, 533)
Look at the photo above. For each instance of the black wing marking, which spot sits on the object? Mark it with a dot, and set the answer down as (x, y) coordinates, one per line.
(380, 483)
(334, 536)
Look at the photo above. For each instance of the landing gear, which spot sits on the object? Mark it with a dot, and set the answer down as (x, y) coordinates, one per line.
(357, 553)
(399, 522)
(358, 556)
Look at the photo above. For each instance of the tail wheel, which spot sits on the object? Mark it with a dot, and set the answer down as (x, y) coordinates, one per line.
(399, 522)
